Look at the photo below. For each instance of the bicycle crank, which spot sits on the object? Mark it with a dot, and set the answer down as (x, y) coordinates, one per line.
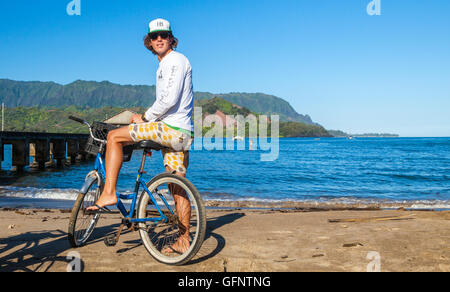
(113, 239)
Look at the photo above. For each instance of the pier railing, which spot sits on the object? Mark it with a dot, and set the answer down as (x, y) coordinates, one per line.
(45, 148)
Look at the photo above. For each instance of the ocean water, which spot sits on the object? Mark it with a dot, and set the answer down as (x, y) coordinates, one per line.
(362, 170)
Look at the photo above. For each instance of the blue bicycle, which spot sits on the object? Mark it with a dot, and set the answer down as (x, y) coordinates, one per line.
(153, 212)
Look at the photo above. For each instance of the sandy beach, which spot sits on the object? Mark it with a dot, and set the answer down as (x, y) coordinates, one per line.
(243, 240)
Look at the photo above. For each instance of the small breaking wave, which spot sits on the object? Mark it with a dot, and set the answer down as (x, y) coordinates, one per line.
(224, 199)
(228, 199)
(36, 193)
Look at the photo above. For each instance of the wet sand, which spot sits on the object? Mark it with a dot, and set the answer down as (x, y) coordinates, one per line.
(244, 240)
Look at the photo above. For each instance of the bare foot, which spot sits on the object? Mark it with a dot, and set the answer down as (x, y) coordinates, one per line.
(181, 246)
(103, 201)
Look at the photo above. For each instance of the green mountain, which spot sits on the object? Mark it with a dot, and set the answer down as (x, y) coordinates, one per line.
(55, 120)
(211, 106)
(79, 93)
(91, 94)
(261, 103)
(287, 129)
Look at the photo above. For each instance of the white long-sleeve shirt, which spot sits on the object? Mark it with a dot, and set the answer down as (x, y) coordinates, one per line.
(174, 93)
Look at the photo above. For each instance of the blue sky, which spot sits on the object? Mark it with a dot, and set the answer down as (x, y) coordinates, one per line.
(327, 58)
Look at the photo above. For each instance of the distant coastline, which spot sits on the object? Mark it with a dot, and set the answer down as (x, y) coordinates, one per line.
(341, 134)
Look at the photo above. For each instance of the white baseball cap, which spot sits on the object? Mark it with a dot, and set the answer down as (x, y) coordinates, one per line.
(159, 24)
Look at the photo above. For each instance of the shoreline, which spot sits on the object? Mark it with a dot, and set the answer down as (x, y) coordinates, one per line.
(330, 205)
(305, 206)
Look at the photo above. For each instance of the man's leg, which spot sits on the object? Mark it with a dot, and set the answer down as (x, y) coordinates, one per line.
(183, 209)
(117, 139)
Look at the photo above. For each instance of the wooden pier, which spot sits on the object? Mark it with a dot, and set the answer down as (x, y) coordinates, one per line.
(45, 148)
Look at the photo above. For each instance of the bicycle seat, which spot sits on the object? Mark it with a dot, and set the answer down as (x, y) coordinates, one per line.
(151, 145)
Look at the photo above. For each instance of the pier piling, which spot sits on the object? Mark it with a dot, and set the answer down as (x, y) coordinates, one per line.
(20, 154)
(59, 152)
(72, 150)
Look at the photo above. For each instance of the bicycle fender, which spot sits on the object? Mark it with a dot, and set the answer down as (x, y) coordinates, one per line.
(90, 179)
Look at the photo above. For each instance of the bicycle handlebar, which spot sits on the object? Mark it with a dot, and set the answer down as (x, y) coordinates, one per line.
(77, 119)
(81, 121)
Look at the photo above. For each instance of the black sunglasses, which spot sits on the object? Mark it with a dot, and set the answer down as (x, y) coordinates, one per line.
(162, 34)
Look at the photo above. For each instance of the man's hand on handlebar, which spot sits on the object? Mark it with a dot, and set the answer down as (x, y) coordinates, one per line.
(136, 119)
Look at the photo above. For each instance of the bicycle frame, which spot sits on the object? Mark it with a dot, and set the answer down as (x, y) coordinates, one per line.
(100, 167)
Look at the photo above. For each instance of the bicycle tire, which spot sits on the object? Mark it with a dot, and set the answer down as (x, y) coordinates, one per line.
(197, 222)
(79, 236)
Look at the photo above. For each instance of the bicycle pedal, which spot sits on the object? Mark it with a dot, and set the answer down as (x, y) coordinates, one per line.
(110, 240)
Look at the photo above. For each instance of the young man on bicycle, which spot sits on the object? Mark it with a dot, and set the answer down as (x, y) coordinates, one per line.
(168, 122)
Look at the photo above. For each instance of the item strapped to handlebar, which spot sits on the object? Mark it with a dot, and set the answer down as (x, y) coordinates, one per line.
(100, 131)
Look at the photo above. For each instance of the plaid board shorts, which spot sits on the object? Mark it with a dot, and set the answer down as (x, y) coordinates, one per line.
(177, 158)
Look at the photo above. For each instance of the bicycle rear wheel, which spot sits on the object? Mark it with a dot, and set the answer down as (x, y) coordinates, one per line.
(159, 236)
(82, 223)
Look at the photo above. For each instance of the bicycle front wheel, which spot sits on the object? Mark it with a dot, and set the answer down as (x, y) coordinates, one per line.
(82, 223)
(182, 204)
